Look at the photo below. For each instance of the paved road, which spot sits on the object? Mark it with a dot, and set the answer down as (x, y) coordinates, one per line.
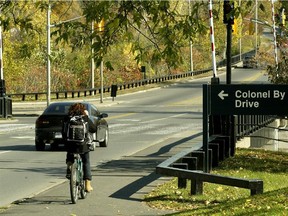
(119, 184)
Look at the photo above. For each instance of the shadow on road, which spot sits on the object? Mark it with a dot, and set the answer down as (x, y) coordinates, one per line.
(139, 167)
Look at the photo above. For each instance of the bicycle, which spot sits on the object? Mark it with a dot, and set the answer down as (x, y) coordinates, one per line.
(77, 184)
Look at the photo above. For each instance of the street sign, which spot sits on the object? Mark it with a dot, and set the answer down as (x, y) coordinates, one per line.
(258, 99)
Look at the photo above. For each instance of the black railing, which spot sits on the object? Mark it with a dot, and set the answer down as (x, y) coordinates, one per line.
(190, 163)
(95, 91)
(248, 124)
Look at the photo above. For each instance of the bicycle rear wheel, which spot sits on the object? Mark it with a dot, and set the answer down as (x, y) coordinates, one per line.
(73, 183)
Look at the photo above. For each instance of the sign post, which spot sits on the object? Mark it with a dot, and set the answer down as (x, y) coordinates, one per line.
(239, 99)
(205, 126)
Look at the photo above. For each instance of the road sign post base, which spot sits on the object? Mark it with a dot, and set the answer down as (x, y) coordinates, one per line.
(215, 80)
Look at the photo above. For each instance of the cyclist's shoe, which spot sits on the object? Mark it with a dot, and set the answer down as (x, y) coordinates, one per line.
(88, 187)
(68, 171)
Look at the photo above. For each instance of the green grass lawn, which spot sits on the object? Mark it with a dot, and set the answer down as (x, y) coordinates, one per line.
(271, 167)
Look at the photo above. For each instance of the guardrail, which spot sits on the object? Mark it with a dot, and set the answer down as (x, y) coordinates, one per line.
(189, 164)
(94, 91)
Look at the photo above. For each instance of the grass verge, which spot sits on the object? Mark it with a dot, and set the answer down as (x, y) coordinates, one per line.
(271, 167)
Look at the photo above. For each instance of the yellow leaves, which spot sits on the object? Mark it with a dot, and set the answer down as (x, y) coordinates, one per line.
(127, 49)
(178, 192)
(219, 189)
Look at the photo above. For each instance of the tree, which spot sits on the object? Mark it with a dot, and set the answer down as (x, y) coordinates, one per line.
(160, 22)
(155, 31)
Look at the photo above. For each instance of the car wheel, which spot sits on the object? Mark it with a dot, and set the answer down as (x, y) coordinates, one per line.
(54, 146)
(104, 143)
(39, 145)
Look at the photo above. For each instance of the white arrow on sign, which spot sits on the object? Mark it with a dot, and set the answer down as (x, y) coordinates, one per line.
(222, 95)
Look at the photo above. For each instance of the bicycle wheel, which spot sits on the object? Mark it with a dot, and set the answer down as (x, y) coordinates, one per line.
(83, 192)
(81, 185)
(73, 183)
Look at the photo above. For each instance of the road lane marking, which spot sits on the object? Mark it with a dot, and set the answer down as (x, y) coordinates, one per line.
(160, 119)
(12, 127)
(3, 152)
(253, 78)
(191, 101)
(24, 137)
(122, 115)
(151, 128)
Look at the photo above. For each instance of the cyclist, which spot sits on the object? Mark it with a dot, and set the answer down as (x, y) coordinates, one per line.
(79, 109)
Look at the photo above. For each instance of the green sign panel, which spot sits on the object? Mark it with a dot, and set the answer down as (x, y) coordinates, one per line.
(259, 99)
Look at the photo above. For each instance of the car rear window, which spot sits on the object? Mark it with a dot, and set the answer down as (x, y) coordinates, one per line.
(57, 110)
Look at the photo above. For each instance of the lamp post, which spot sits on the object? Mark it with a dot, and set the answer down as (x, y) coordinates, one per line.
(92, 59)
(2, 81)
(101, 75)
(48, 56)
(274, 36)
(256, 27)
(1, 55)
(190, 42)
(101, 29)
(49, 26)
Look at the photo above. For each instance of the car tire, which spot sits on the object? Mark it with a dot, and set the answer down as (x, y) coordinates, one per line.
(104, 143)
(40, 145)
(54, 146)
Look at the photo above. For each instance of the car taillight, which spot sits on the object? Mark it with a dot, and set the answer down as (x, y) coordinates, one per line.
(41, 122)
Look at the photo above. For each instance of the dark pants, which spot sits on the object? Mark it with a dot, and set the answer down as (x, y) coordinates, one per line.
(86, 163)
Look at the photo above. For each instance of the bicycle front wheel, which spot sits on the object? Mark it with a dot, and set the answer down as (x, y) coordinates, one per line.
(73, 183)
(83, 192)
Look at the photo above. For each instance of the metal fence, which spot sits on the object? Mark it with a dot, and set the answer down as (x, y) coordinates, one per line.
(190, 163)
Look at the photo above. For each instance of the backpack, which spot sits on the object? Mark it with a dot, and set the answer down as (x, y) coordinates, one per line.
(77, 129)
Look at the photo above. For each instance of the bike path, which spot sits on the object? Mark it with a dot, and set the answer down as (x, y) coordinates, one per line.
(119, 185)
